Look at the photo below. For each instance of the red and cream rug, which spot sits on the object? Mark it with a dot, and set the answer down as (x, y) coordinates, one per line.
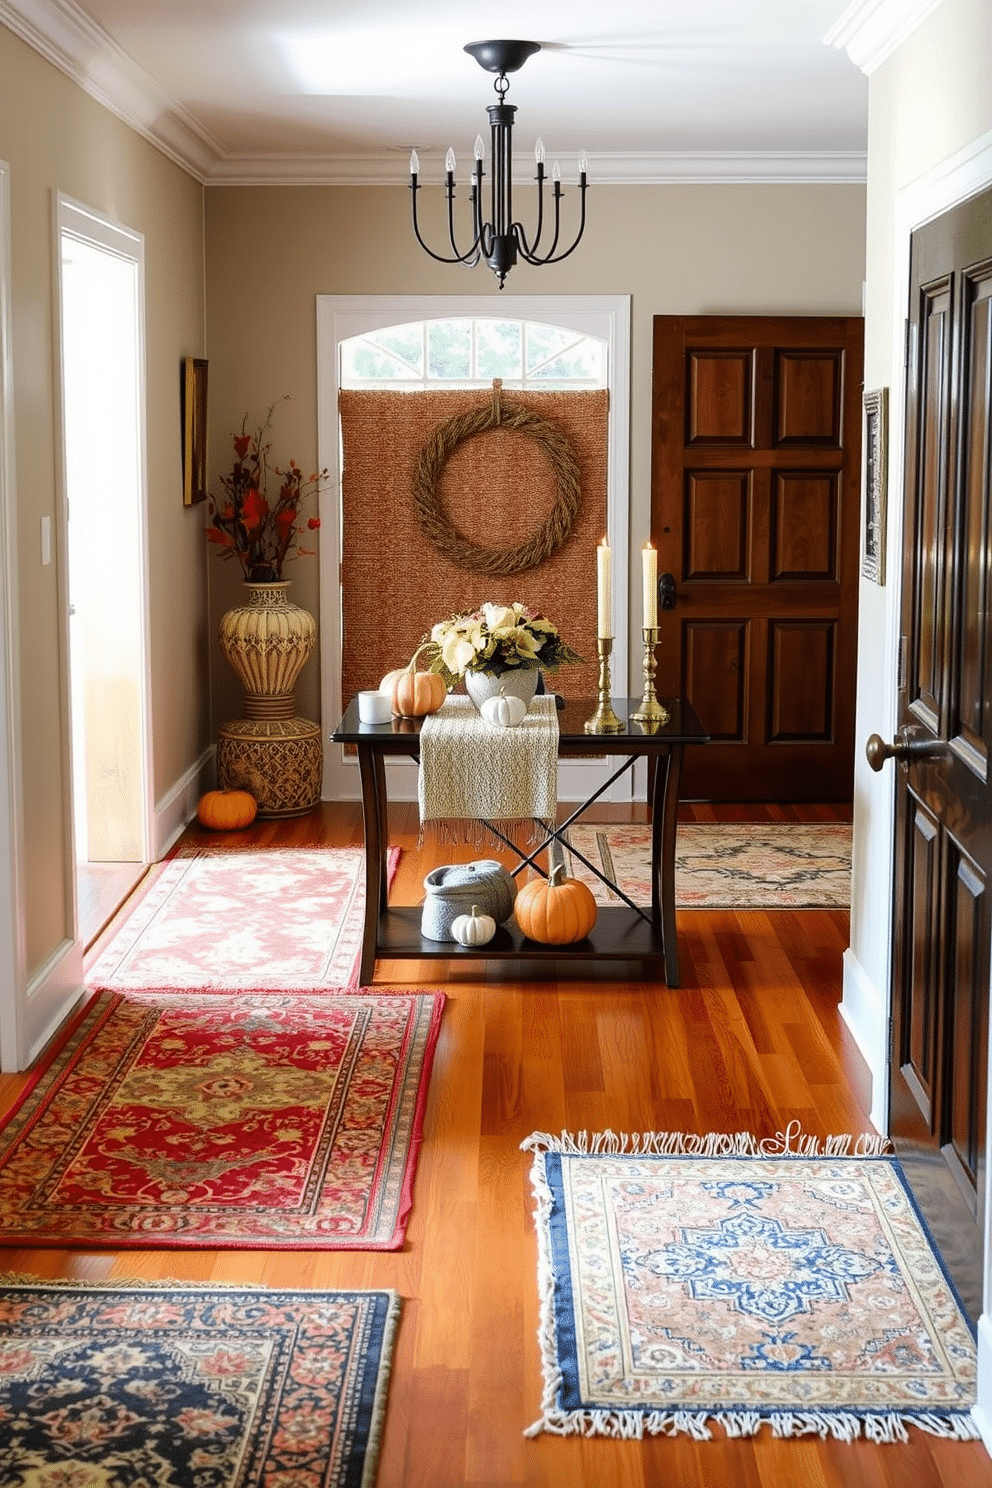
(276, 1120)
(227, 919)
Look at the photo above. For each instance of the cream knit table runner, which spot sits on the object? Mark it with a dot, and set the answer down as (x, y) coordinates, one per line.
(472, 771)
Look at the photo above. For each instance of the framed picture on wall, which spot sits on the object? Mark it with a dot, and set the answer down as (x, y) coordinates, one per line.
(194, 403)
(876, 468)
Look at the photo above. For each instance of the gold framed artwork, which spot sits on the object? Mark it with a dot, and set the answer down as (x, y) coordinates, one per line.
(876, 482)
(194, 403)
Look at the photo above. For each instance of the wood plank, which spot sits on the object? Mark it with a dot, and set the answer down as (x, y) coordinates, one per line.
(751, 1040)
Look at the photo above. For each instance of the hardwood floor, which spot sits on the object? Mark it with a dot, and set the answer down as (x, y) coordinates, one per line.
(752, 1040)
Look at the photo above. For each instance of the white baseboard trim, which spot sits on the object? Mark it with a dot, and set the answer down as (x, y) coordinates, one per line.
(982, 1412)
(863, 1010)
(52, 993)
(175, 811)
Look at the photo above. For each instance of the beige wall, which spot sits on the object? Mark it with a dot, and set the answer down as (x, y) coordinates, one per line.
(674, 250)
(57, 139)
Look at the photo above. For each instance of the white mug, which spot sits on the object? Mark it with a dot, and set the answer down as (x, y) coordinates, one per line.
(374, 707)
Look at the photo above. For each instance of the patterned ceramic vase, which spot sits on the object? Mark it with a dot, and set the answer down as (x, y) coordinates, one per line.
(270, 752)
(521, 683)
(267, 641)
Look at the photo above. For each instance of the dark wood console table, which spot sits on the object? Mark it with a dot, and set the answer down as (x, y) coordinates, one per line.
(622, 932)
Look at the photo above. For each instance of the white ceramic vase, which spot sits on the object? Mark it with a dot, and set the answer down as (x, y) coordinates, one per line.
(521, 683)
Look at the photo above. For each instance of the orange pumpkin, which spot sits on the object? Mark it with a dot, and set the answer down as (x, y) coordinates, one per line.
(415, 693)
(556, 910)
(226, 810)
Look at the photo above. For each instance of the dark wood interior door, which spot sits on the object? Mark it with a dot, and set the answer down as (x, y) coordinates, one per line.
(942, 906)
(755, 508)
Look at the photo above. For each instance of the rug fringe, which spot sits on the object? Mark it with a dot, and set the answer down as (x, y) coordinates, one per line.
(793, 1142)
(845, 1426)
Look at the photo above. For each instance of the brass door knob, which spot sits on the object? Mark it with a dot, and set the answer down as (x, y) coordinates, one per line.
(902, 749)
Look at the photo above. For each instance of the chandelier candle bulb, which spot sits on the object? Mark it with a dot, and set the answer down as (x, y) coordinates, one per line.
(604, 619)
(649, 559)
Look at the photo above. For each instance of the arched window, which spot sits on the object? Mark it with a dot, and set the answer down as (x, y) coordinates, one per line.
(469, 351)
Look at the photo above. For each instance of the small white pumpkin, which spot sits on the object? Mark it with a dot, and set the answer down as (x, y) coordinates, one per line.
(505, 711)
(473, 929)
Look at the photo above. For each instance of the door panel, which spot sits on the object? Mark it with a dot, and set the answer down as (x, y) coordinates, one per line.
(942, 916)
(755, 512)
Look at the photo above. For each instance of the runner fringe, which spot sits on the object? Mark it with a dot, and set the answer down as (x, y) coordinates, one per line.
(845, 1426)
(478, 834)
(793, 1142)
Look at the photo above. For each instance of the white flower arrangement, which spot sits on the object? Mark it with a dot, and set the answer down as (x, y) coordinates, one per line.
(494, 639)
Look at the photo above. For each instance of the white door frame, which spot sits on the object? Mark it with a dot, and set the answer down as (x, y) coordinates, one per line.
(60, 983)
(339, 317)
(13, 997)
(74, 220)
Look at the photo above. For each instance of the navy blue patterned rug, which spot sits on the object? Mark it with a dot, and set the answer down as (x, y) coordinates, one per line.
(194, 1385)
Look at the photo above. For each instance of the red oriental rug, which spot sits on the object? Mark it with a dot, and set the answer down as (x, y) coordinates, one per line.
(224, 919)
(277, 1121)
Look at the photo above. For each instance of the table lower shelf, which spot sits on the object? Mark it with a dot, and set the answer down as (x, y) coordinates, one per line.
(619, 934)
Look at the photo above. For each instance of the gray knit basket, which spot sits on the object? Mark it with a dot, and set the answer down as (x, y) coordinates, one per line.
(453, 890)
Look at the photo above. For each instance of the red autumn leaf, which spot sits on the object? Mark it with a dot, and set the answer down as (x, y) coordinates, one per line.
(242, 444)
(215, 535)
(254, 509)
(284, 521)
(313, 523)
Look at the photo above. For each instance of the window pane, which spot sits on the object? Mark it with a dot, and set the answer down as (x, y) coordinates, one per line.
(498, 349)
(553, 352)
(582, 363)
(449, 349)
(383, 356)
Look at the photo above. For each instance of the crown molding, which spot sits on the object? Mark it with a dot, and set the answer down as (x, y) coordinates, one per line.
(662, 169)
(68, 38)
(871, 30)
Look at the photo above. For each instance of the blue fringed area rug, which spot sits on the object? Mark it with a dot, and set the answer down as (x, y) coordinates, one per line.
(691, 1281)
(232, 1387)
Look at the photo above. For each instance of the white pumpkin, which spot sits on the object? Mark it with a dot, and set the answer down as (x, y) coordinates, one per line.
(504, 711)
(473, 929)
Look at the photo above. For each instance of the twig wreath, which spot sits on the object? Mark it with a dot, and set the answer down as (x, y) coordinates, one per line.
(497, 414)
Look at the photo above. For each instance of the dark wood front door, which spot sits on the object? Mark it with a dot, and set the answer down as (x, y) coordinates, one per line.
(942, 906)
(756, 464)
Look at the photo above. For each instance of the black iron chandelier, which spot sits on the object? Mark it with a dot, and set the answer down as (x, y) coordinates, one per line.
(501, 240)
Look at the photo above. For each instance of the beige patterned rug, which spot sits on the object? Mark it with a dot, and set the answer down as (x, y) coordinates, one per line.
(689, 1282)
(724, 865)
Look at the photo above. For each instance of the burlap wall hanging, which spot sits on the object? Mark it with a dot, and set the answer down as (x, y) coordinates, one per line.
(496, 493)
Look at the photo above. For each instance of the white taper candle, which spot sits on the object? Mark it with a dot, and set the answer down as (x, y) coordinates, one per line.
(603, 610)
(649, 560)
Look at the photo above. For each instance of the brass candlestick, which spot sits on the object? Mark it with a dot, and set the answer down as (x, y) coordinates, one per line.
(650, 710)
(604, 720)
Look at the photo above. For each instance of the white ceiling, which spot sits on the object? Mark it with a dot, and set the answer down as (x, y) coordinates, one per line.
(341, 89)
